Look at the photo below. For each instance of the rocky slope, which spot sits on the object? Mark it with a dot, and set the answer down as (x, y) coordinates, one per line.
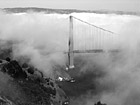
(27, 86)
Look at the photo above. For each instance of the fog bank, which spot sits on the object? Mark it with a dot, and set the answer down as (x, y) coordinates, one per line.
(43, 39)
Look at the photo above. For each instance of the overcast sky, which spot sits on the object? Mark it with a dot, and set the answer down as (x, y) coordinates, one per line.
(123, 5)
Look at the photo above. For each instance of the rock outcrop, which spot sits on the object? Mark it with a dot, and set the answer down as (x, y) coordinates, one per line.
(30, 85)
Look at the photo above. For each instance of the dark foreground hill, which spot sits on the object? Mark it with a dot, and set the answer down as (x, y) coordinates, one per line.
(26, 86)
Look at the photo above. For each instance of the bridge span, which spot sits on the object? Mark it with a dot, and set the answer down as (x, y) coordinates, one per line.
(85, 37)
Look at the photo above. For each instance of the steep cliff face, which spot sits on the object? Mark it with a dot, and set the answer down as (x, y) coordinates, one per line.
(27, 86)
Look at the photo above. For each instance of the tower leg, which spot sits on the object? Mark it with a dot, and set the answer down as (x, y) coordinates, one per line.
(71, 53)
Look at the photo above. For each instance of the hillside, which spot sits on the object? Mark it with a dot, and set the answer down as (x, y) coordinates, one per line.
(64, 11)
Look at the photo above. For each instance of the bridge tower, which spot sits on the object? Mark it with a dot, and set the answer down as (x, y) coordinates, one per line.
(71, 44)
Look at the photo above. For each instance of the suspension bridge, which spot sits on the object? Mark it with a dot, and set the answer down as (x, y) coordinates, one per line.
(85, 37)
